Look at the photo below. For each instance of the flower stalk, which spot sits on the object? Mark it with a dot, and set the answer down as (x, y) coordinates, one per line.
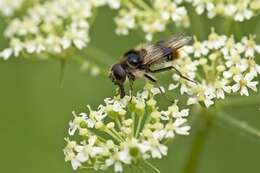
(202, 128)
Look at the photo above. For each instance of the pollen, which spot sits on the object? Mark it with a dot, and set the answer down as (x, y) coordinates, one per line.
(242, 82)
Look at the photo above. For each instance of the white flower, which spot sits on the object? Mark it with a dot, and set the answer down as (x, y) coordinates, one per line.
(175, 112)
(124, 156)
(243, 82)
(213, 71)
(51, 27)
(236, 10)
(254, 67)
(150, 18)
(118, 159)
(221, 88)
(8, 7)
(200, 49)
(250, 46)
(78, 160)
(203, 93)
(69, 153)
(38, 29)
(76, 123)
(118, 165)
(114, 4)
(179, 128)
(109, 139)
(243, 14)
(125, 21)
(6, 53)
(216, 41)
(157, 150)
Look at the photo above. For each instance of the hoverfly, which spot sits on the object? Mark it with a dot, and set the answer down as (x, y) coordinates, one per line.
(143, 60)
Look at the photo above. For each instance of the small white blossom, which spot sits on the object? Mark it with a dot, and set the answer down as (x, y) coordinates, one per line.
(151, 18)
(179, 128)
(52, 27)
(250, 46)
(236, 10)
(243, 82)
(8, 7)
(121, 143)
(227, 66)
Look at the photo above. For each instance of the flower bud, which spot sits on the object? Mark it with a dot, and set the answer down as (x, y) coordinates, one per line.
(221, 68)
(128, 122)
(111, 113)
(151, 105)
(155, 115)
(83, 124)
(83, 132)
(111, 125)
(110, 144)
(140, 108)
(99, 126)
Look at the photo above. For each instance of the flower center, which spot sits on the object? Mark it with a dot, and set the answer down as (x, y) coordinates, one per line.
(242, 82)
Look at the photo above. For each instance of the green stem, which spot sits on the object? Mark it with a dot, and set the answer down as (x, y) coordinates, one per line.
(203, 125)
(138, 125)
(62, 70)
(133, 124)
(142, 4)
(87, 167)
(152, 166)
(118, 123)
(117, 134)
(113, 135)
(239, 124)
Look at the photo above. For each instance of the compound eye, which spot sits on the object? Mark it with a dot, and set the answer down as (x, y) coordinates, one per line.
(133, 58)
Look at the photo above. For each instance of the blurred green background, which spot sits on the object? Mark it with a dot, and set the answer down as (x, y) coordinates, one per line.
(35, 110)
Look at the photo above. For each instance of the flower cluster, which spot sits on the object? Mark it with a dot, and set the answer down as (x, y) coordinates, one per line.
(8, 7)
(238, 10)
(219, 66)
(52, 27)
(150, 18)
(123, 132)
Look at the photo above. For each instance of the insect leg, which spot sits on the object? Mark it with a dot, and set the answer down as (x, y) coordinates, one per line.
(131, 78)
(152, 79)
(131, 83)
(169, 68)
(161, 69)
(121, 91)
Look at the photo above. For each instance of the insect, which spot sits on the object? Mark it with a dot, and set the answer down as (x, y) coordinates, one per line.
(144, 60)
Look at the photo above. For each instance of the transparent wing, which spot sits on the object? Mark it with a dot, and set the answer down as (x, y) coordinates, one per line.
(158, 52)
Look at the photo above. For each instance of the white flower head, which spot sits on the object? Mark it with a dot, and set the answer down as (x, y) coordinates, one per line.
(8, 7)
(236, 10)
(112, 141)
(150, 18)
(225, 66)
